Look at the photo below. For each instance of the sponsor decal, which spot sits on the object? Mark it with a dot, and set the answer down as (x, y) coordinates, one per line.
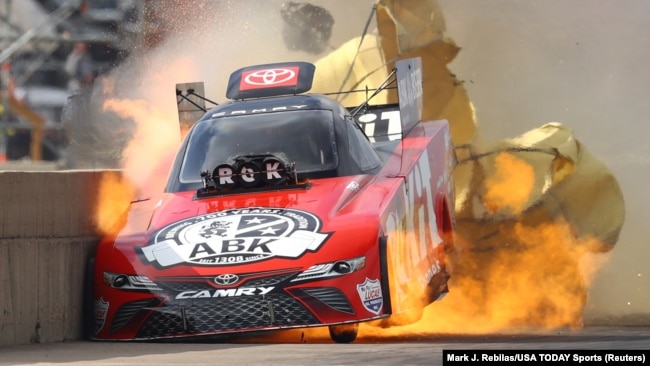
(411, 87)
(381, 125)
(259, 110)
(409, 90)
(371, 296)
(353, 186)
(251, 172)
(228, 292)
(237, 236)
(433, 270)
(269, 78)
(226, 279)
(100, 311)
(413, 242)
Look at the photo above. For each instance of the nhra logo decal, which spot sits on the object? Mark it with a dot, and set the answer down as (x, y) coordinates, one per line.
(371, 296)
(236, 236)
(269, 78)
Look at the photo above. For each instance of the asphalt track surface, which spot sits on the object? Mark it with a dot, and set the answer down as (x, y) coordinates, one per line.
(403, 351)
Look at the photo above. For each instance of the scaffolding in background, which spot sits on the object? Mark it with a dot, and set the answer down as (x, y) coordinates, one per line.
(31, 32)
(41, 40)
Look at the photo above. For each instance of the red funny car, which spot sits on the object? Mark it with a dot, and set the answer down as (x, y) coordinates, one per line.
(285, 210)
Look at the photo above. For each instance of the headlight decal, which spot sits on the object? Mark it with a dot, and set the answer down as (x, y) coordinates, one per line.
(332, 269)
(130, 282)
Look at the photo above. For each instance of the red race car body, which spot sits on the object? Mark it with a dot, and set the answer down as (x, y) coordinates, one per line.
(285, 210)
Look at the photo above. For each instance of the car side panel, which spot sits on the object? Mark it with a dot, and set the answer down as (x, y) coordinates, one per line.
(410, 220)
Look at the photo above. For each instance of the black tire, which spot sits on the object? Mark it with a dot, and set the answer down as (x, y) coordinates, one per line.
(88, 320)
(344, 333)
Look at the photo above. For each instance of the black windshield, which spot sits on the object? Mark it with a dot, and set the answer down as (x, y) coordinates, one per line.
(304, 137)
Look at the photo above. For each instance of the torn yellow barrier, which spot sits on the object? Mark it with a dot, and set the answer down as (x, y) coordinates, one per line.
(355, 65)
(416, 28)
(415, 23)
(531, 211)
(542, 175)
(560, 167)
(365, 61)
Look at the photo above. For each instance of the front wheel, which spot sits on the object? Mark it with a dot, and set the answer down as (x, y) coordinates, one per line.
(344, 333)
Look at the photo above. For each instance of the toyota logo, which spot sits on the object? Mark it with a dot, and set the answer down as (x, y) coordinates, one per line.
(226, 279)
(270, 77)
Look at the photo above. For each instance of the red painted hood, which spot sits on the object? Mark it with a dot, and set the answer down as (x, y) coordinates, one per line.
(333, 219)
(326, 198)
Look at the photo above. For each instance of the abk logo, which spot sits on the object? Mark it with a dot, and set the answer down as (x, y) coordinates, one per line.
(269, 78)
(234, 237)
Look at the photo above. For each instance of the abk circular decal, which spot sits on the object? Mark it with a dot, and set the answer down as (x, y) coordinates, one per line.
(237, 236)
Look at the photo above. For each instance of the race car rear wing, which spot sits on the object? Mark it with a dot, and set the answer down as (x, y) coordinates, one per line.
(409, 91)
(380, 122)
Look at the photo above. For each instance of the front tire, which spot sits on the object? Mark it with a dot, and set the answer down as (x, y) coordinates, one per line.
(344, 333)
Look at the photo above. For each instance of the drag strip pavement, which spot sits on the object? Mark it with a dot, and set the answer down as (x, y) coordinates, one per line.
(386, 351)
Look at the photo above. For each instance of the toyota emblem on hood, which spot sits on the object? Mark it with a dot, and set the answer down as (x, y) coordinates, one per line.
(226, 279)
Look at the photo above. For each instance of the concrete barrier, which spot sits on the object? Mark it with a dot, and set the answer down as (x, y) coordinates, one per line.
(40, 282)
(46, 237)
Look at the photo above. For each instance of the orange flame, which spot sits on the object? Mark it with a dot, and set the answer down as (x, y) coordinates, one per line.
(531, 274)
(150, 142)
(147, 157)
(510, 185)
(115, 194)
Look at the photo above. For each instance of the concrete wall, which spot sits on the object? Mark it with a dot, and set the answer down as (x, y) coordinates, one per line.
(46, 237)
(40, 283)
